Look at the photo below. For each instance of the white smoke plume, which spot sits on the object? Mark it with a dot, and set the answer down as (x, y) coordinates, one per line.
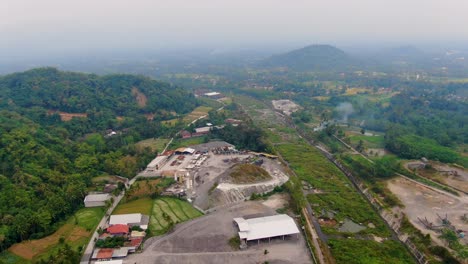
(345, 109)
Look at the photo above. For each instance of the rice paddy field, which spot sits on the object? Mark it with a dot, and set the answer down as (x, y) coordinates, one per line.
(167, 212)
(164, 212)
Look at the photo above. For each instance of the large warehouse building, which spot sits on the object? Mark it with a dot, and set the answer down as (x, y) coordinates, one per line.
(266, 227)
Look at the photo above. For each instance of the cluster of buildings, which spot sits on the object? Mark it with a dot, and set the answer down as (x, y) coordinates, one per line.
(99, 198)
(201, 131)
(130, 227)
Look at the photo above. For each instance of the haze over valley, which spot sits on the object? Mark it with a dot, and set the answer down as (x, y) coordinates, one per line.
(233, 131)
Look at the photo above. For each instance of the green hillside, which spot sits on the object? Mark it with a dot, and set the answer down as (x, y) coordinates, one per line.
(121, 94)
(47, 162)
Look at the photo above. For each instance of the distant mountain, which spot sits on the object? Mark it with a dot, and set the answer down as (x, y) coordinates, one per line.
(311, 58)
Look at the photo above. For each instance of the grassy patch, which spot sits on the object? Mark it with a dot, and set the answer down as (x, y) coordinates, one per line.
(187, 142)
(351, 251)
(142, 206)
(376, 141)
(140, 189)
(338, 193)
(194, 115)
(6, 257)
(153, 143)
(248, 173)
(234, 242)
(88, 218)
(76, 232)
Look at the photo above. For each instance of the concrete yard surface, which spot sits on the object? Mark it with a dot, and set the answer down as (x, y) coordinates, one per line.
(206, 240)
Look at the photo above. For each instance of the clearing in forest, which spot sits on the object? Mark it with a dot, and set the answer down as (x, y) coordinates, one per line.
(140, 97)
(76, 232)
(153, 143)
(194, 115)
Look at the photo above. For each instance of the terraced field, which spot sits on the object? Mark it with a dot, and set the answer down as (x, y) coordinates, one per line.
(167, 212)
(76, 231)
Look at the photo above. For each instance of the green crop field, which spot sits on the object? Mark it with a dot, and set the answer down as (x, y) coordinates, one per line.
(369, 141)
(142, 206)
(169, 211)
(356, 251)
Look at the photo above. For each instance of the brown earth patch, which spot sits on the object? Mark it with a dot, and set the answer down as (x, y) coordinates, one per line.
(64, 116)
(31, 248)
(149, 116)
(78, 233)
(327, 222)
(140, 97)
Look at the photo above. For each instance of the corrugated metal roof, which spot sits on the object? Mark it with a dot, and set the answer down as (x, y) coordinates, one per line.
(120, 253)
(212, 93)
(125, 219)
(269, 226)
(117, 261)
(242, 224)
(102, 197)
(202, 129)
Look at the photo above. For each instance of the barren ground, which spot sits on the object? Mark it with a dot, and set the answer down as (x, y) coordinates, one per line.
(205, 240)
(423, 202)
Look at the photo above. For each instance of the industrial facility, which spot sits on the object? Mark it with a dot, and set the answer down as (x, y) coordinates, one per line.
(268, 227)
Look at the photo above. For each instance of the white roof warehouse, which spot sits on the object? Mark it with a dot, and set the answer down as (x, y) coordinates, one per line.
(266, 227)
(129, 219)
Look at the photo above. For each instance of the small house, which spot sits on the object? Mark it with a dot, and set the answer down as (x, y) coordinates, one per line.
(118, 230)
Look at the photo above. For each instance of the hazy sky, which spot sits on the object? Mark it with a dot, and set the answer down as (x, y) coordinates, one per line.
(62, 25)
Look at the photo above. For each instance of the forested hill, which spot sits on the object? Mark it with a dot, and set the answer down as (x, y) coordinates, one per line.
(120, 95)
(47, 163)
(311, 58)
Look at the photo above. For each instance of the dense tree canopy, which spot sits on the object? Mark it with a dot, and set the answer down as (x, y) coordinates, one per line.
(47, 164)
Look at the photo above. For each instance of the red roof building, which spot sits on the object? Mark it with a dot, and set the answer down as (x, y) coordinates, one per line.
(185, 134)
(118, 229)
(105, 253)
(136, 242)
